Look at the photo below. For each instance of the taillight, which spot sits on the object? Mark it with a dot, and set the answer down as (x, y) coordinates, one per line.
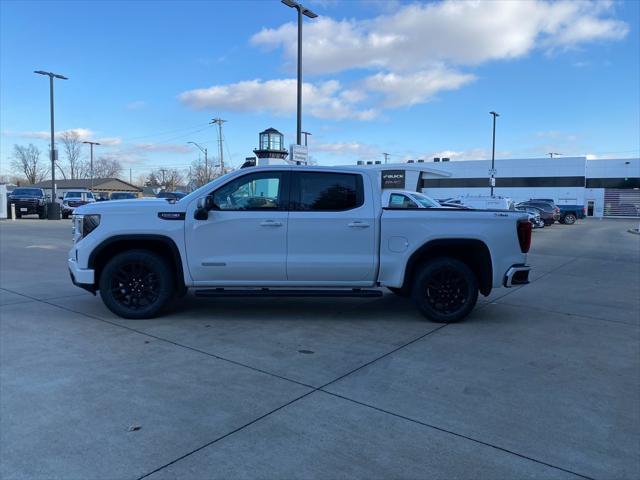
(524, 235)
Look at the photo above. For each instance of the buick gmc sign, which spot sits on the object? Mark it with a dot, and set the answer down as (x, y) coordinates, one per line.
(393, 179)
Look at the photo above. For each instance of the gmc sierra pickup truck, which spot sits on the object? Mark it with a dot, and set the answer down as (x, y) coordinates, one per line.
(294, 231)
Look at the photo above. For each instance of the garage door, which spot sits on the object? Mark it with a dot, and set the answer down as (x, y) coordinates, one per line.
(619, 202)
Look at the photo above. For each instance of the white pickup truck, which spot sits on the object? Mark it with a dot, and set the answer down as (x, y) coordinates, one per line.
(294, 231)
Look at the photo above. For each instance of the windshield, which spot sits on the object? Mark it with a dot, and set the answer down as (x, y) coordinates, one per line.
(424, 201)
(32, 192)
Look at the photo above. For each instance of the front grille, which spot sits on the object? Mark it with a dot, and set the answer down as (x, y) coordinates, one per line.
(76, 204)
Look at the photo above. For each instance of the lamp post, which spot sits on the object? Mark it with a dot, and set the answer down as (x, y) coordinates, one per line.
(302, 10)
(53, 210)
(492, 180)
(206, 159)
(552, 154)
(91, 164)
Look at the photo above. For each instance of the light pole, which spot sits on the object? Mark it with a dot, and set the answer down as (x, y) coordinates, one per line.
(91, 164)
(551, 154)
(219, 122)
(492, 180)
(53, 209)
(302, 10)
(306, 134)
(206, 160)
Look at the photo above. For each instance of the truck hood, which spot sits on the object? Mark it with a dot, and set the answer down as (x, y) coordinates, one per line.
(130, 206)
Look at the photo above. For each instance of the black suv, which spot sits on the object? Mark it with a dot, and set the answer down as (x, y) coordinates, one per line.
(28, 201)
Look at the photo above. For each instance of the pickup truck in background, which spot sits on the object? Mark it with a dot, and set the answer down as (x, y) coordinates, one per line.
(568, 214)
(27, 201)
(295, 231)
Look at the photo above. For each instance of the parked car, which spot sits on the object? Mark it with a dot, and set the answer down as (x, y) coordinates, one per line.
(534, 216)
(486, 202)
(27, 201)
(123, 196)
(294, 231)
(549, 212)
(73, 199)
(171, 195)
(407, 199)
(568, 213)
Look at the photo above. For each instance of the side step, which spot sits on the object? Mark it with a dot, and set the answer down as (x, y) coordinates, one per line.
(266, 292)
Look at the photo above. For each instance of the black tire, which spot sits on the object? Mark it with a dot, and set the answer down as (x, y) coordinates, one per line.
(569, 219)
(401, 292)
(123, 289)
(65, 215)
(445, 290)
(18, 214)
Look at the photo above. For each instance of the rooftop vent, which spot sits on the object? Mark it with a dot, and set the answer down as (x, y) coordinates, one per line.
(378, 162)
(436, 159)
(369, 162)
(446, 159)
(421, 160)
(410, 161)
(360, 162)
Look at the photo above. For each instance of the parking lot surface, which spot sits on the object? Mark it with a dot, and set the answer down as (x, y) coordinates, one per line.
(541, 381)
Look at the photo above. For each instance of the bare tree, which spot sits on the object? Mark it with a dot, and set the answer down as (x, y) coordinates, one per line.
(198, 174)
(166, 178)
(26, 161)
(72, 146)
(106, 167)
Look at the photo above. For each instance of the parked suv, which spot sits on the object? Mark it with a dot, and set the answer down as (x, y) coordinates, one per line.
(550, 214)
(28, 201)
(74, 199)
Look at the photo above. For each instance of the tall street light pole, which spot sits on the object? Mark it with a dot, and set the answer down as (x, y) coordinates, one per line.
(552, 154)
(302, 10)
(206, 159)
(91, 164)
(53, 209)
(219, 122)
(493, 153)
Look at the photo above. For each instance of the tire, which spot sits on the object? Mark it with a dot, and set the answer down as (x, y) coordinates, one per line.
(445, 290)
(569, 219)
(401, 292)
(18, 214)
(122, 284)
(65, 215)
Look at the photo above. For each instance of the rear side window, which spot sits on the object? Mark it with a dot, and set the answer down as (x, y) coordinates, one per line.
(326, 192)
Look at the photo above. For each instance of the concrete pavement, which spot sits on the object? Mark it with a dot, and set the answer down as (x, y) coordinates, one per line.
(541, 381)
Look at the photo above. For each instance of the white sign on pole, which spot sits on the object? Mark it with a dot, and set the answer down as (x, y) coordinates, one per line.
(299, 154)
(493, 181)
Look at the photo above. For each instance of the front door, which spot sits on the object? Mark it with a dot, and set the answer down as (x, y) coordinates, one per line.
(244, 240)
(331, 237)
(590, 205)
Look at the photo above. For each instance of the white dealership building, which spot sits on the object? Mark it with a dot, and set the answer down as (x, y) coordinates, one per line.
(604, 187)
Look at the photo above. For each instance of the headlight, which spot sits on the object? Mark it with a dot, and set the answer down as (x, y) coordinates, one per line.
(83, 225)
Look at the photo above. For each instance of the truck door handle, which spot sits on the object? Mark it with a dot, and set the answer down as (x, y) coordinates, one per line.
(270, 223)
(357, 224)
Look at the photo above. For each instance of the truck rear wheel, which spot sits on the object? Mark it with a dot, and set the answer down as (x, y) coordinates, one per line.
(137, 284)
(569, 219)
(445, 290)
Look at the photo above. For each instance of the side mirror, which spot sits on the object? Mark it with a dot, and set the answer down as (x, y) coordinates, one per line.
(203, 206)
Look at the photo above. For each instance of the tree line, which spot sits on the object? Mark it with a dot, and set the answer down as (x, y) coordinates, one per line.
(28, 162)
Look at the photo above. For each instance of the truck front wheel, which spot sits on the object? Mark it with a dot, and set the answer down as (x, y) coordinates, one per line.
(445, 290)
(136, 284)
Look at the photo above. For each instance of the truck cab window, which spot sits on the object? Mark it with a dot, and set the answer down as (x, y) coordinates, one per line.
(318, 191)
(260, 191)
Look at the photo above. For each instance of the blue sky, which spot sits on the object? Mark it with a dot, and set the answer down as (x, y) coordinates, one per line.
(415, 79)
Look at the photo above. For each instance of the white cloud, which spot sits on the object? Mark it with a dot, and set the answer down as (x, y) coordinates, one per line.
(411, 89)
(350, 149)
(418, 36)
(322, 100)
(136, 105)
(83, 134)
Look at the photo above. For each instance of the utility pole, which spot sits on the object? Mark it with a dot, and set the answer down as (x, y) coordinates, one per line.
(306, 134)
(386, 158)
(302, 10)
(91, 164)
(551, 154)
(53, 210)
(206, 158)
(219, 122)
(492, 180)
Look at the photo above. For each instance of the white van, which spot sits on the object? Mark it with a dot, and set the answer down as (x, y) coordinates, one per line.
(486, 202)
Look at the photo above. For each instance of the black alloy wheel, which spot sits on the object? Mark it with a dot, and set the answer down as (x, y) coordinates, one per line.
(136, 284)
(445, 290)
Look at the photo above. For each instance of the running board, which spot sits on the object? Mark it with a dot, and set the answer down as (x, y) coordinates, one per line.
(266, 292)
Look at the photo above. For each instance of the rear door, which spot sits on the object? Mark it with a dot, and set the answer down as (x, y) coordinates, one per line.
(331, 235)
